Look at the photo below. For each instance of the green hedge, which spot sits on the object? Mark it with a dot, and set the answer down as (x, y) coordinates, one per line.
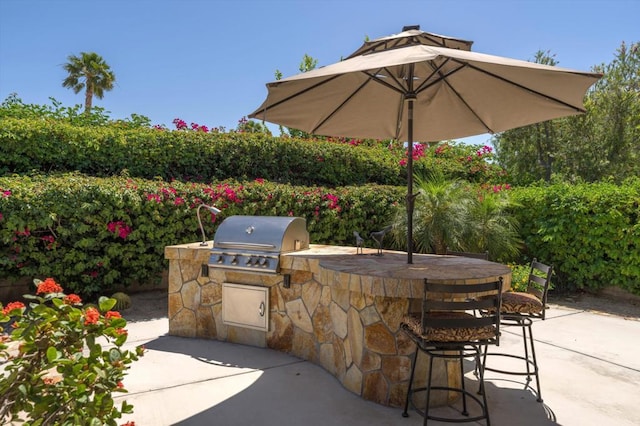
(60, 225)
(56, 146)
(590, 232)
(47, 145)
(95, 234)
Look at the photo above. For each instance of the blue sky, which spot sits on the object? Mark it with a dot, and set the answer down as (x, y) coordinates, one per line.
(208, 61)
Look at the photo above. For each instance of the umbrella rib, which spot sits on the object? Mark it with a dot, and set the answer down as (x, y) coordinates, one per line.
(520, 86)
(372, 77)
(355, 92)
(288, 98)
(443, 77)
(398, 88)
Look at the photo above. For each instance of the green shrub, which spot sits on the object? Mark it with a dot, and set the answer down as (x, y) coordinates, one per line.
(48, 145)
(68, 361)
(97, 234)
(590, 232)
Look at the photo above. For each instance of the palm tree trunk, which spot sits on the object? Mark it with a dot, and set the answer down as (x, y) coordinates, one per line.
(88, 98)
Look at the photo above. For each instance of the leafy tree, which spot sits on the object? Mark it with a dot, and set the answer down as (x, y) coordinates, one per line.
(91, 73)
(601, 144)
(252, 126)
(610, 133)
(528, 152)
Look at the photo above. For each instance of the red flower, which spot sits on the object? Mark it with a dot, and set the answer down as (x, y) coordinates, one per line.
(49, 286)
(11, 306)
(48, 381)
(122, 229)
(153, 197)
(121, 331)
(120, 385)
(112, 314)
(72, 299)
(91, 316)
(129, 423)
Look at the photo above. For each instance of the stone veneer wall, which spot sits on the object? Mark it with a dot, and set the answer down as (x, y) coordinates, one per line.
(353, 335)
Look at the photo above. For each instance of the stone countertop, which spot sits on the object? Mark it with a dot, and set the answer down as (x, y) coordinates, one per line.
(388, 275)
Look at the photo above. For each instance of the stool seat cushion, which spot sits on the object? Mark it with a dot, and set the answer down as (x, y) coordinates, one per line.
(413, 323)
(521, 303)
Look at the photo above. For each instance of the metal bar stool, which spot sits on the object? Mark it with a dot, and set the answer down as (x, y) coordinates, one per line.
(445, 330)
(519, 309)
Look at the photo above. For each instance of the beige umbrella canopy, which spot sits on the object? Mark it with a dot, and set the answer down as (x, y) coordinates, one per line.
(423, 93)
(411, 35)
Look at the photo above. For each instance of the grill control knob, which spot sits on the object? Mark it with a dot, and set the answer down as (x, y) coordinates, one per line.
(220, 259)
(264, 263)
(234, 261)
(248, 261)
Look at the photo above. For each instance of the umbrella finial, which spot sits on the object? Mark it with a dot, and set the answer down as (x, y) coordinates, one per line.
(410, 27)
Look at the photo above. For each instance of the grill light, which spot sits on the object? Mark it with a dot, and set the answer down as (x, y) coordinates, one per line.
(212, 210)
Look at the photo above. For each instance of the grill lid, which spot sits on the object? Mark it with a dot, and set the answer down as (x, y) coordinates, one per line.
(265, 233)
(255, 242)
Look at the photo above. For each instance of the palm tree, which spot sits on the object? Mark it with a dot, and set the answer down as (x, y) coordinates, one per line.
(441, 215)
(451, 214)
(493, 228)
(90, 72)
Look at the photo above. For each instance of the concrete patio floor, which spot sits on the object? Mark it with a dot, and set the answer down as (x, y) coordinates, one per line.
(590, 375)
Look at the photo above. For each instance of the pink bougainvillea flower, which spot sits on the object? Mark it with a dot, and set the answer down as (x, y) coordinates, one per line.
(48, 286)
(180, 124)
(122, 229)
(154, 197)
(24, 233)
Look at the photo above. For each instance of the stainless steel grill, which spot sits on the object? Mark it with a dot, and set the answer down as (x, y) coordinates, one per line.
(255, 243)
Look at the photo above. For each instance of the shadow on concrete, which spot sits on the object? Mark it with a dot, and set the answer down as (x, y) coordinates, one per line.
(290, 391)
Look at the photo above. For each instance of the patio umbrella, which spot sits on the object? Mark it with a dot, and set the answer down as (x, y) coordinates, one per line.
(455, 93)
(411, 35)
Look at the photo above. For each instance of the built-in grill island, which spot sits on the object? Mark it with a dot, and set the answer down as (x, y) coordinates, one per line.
(262, 284)
(255, 243)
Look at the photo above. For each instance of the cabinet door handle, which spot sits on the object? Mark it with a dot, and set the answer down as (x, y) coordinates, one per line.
(261, 309)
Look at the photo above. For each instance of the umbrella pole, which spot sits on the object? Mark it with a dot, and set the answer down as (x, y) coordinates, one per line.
(410, 196)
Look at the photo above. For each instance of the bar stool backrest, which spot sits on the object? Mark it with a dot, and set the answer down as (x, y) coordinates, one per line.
(443, 313)
(539, 282)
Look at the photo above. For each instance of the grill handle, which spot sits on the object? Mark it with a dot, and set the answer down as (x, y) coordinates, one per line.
(227, 244)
